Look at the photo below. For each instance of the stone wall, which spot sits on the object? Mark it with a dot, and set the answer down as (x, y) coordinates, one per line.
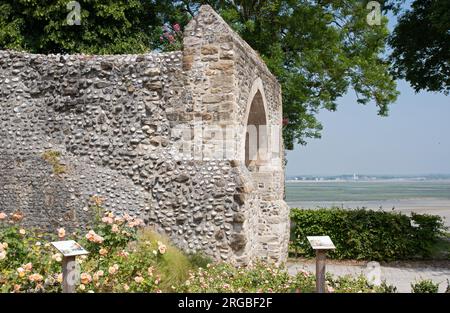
(77, 126)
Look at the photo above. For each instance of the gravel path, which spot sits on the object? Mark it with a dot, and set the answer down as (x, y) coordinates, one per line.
(399, 275)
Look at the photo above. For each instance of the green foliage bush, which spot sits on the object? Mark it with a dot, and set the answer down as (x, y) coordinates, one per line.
(424, 286)
(358, 284)
(223, 277)
(261, 277)
(366, 234)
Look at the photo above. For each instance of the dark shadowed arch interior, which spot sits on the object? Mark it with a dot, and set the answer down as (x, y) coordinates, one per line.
(256, 143)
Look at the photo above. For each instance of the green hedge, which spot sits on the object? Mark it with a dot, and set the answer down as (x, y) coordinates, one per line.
(366, 234)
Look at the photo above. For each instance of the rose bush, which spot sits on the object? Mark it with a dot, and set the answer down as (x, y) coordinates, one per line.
(28, 262)
(124, 256)
(223, 277)
(172, 37)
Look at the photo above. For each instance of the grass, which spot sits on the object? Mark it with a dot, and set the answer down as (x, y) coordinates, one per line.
(176, 265)
(52, 157)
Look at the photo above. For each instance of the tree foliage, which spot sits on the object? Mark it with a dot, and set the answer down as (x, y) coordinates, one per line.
(107, 27)
(421, 46)
(319, 50)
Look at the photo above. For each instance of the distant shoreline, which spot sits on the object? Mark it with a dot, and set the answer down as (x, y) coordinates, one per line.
(402, 180)
(368, 178)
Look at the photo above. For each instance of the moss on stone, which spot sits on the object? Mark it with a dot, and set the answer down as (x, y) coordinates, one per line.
(52, 157)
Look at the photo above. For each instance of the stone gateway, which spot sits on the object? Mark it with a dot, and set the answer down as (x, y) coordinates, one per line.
(190, 141)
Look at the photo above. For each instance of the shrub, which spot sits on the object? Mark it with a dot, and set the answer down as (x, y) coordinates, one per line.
(223, 277)
(385, 288)
(425, 286)
(427, 232)
(358, 284)
(366, 234)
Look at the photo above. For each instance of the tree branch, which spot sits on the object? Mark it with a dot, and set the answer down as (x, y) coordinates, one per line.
(188, 8)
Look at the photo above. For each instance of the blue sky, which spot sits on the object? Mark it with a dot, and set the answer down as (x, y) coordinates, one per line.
(413, 139)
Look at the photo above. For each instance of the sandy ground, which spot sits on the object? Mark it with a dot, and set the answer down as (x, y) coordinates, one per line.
(428, 206)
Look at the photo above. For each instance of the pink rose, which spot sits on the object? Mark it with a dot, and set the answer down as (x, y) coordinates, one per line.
(85, 278)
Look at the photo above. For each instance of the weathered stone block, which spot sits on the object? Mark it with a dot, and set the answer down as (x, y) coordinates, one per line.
(238, 218)
(209, 49)
(182, 178)
(151, 72)
(155, 86)
(239, 198)
(238, 241)
(222, 65)
(188, 60)
(107, 66)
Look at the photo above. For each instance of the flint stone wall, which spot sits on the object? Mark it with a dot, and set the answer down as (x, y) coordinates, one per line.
(112, 120)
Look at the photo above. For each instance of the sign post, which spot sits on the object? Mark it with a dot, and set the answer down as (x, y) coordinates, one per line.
(68, 267)
(321, 244)
(70, 273)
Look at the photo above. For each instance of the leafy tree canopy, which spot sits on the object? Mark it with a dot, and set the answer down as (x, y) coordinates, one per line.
(106, 27)
(421, 46)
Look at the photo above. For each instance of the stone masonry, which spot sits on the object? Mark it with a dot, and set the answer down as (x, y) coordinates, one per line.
(114, 126)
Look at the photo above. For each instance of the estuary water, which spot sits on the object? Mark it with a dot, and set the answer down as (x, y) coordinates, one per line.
(428, 196)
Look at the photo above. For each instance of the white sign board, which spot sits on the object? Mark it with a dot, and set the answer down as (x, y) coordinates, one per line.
(321, 242)
(69, 248)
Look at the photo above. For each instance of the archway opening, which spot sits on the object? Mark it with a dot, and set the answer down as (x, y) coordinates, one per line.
(256, 137)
